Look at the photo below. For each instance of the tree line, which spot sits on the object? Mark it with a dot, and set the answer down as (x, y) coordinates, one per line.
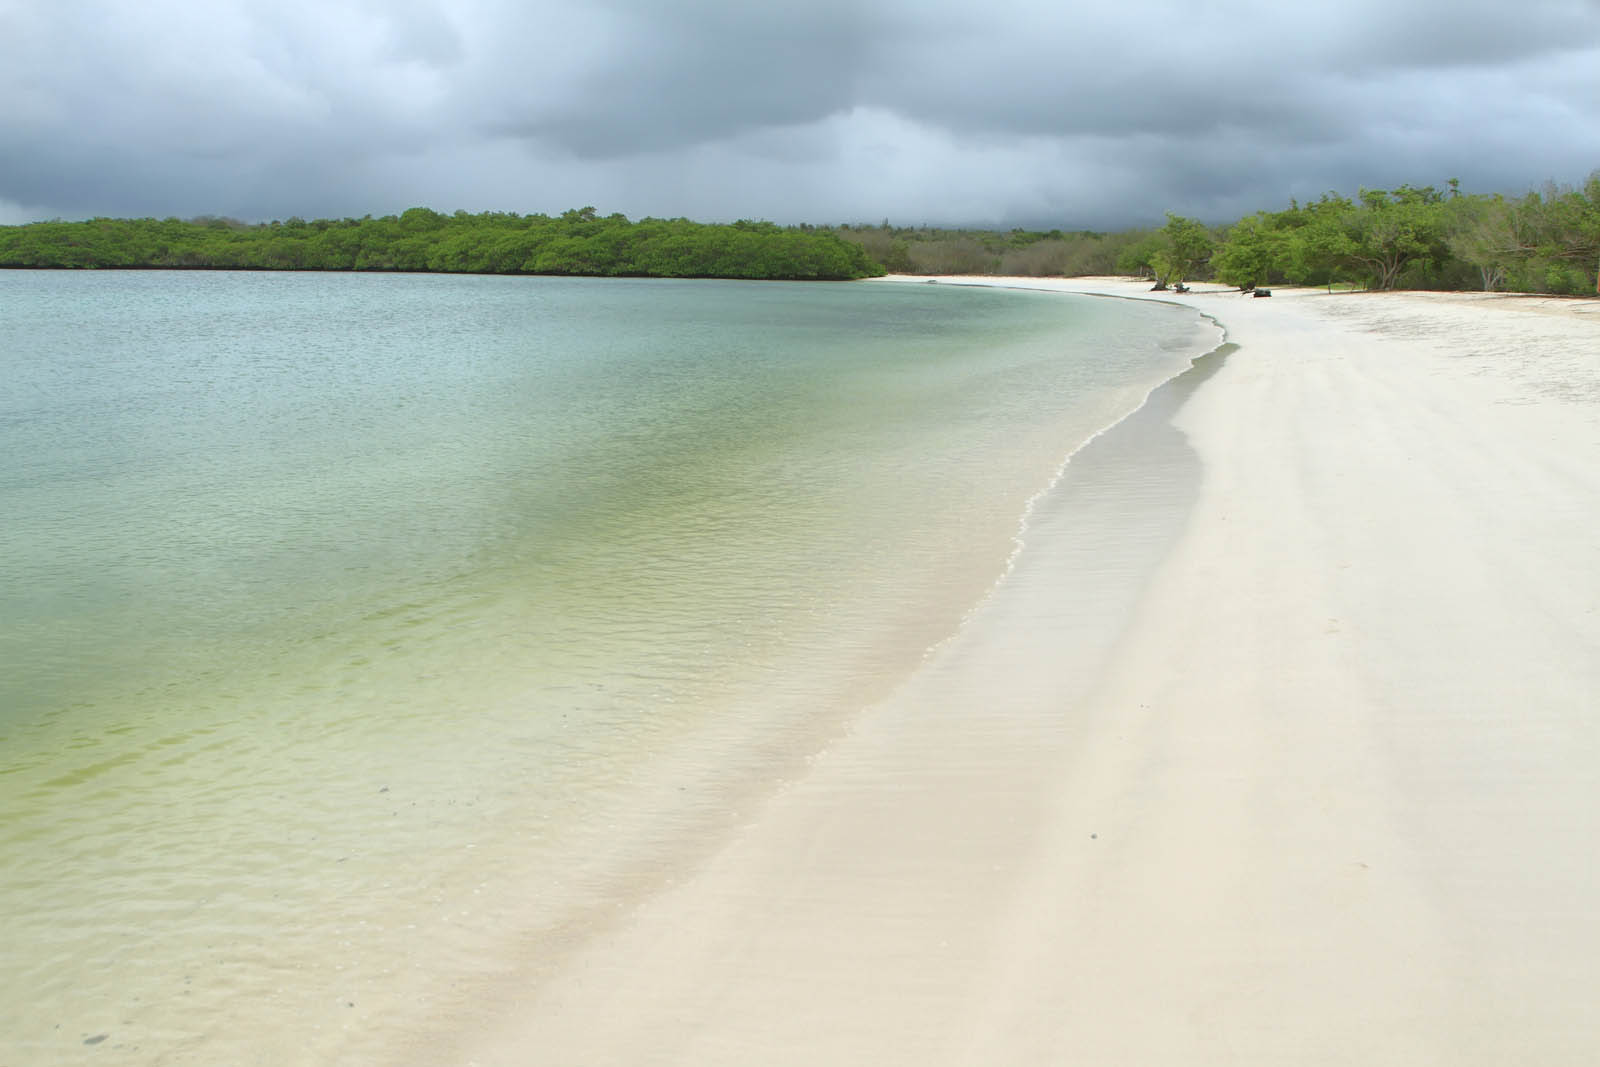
(1547, 241)
(577, 242)
(1028, 253)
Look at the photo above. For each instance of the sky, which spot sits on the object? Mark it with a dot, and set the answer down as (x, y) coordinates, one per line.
(1036, 113)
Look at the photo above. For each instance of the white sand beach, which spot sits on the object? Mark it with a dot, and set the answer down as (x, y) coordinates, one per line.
(1322, 786)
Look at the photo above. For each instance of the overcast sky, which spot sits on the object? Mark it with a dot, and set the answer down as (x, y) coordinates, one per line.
(1032, 112)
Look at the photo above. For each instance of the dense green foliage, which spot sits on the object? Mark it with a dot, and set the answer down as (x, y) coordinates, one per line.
(1420, 238)
(1181, 250)
(578, 242)
(1025, 253)
(1547, 241)
(1423, 238)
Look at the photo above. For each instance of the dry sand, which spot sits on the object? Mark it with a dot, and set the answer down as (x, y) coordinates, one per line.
(1317, 780)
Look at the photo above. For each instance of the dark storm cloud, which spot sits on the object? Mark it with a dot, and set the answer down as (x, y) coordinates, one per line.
(1056, 113)
(676, 75)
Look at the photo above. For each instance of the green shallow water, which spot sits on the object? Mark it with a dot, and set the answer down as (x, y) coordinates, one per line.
(348, 619)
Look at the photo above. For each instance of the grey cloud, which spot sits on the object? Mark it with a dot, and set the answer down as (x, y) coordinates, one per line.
(681, 75)
(1168, 70)
(1035, 110)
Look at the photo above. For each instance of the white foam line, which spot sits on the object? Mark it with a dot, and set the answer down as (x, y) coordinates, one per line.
(1018, 542)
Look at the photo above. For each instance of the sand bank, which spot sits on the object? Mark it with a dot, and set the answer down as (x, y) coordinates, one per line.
(1312, 779)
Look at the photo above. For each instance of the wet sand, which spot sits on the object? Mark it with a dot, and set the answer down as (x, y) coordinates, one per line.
(1278, 745)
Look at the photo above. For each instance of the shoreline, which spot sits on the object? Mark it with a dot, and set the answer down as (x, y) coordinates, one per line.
(516, 833)
(1318, 788)
(1200, 364)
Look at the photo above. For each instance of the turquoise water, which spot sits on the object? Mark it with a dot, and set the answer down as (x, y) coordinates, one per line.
(351, 622)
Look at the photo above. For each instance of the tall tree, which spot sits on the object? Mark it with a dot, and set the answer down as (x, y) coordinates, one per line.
(1480, 231)
(1189, 246)
(1253, 247)
(1560, 228)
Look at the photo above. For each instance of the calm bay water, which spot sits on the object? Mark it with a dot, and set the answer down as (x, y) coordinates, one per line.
(350, 624)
